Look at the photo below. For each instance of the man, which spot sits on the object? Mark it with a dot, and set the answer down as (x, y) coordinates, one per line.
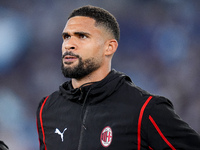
(100, 108)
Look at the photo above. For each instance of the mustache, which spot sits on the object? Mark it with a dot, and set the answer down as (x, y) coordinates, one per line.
(70, 54)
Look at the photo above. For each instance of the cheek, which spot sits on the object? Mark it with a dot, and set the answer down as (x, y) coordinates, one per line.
(62, 49)
(100, 50)
(95, 51)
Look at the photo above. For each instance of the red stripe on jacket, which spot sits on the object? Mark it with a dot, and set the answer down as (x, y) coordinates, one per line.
(140, 121)
(41, 122)
(160, 133)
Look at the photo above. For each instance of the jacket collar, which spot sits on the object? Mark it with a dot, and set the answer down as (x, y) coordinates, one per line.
(97, 91)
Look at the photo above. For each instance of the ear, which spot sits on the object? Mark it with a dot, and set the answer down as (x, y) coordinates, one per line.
(111, 47)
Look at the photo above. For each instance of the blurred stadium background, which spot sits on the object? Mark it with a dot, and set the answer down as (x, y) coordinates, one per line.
(159, 49)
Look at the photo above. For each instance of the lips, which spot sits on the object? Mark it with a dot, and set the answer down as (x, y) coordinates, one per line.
(70, 57)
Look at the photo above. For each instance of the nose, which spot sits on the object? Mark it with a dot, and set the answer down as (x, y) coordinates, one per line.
(69, 48)
(69, 44)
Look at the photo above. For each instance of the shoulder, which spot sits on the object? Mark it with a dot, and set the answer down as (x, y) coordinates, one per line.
(158, 106)
(159, 103)
(161, 110)
(48, 100)
(154, 100)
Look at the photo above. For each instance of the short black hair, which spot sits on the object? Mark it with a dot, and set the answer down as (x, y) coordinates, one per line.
(101, 16)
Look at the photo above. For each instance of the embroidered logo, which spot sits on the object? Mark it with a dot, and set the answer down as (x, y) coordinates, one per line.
(106, 136)
(61, 134)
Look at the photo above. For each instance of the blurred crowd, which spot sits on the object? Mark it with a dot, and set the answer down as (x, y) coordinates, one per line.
(158, 48)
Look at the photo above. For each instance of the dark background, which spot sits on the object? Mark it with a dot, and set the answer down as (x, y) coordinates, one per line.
(158, 49)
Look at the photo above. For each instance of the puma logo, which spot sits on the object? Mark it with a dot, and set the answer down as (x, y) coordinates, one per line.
(61, 134)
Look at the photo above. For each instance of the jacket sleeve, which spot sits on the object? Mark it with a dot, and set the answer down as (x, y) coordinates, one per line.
(166, 130)
(39, 128)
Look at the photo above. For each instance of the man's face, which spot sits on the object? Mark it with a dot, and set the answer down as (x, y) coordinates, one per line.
(83, 47)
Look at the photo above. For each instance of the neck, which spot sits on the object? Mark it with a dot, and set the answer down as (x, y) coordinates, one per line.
(95, 76)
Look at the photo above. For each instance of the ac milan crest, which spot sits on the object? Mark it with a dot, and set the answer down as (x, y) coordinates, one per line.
(106, 136)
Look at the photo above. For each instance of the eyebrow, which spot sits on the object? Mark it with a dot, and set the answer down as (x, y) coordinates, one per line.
(76, 33)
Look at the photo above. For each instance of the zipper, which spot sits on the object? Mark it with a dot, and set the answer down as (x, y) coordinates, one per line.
(84, 112)
(83, 128)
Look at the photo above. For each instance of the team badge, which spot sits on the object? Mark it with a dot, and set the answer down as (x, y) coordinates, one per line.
(106, 136)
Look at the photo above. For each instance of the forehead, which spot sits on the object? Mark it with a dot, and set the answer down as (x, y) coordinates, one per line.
(80, 23)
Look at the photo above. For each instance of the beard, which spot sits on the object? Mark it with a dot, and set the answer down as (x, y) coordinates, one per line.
(84, 68)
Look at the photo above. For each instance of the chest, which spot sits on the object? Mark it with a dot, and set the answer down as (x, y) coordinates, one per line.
(111, 124)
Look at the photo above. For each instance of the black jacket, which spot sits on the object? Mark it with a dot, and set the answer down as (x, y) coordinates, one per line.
(112, 114)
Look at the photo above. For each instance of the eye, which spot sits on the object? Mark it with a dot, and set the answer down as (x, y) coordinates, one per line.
(82, 36)
(66, 36)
